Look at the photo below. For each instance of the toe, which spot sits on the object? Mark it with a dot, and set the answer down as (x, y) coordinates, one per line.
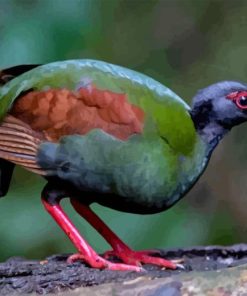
(75, 257)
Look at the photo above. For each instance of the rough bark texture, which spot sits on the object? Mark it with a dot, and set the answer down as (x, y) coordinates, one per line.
(208, 271)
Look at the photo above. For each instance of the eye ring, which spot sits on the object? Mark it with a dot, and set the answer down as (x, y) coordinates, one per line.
(241, 102)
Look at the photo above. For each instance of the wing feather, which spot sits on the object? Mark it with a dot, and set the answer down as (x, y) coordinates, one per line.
(62, 112)
(19, 144)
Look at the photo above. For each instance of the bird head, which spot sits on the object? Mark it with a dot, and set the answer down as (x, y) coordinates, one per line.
(219, 107)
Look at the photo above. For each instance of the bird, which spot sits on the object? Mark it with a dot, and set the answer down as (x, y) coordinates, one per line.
(102, 133)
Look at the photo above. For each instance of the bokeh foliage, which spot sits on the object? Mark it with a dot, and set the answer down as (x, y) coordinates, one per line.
(185, 44)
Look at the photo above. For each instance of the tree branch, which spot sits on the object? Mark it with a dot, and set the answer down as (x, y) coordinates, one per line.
(208, 271)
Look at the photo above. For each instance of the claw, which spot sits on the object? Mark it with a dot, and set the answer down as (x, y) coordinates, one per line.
(180, 266)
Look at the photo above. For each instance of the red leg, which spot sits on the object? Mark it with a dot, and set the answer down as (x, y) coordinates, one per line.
(86, 252)
(120, 249)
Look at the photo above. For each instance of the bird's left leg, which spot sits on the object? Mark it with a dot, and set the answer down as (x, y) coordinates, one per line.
(51, 197)
(120, 249)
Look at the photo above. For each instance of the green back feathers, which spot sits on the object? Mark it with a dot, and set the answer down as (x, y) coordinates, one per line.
(166, 115)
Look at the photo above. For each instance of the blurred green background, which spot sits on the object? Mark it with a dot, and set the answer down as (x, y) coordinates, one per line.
(186, 45)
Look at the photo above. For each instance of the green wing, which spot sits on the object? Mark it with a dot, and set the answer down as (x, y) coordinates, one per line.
(166, 115)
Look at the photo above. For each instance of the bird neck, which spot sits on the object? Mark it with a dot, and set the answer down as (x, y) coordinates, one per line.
(208, 128)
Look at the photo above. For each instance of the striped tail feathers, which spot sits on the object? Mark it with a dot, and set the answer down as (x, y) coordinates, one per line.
(19, 144)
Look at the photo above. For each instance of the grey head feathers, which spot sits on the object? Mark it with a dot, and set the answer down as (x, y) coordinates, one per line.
(213, 113)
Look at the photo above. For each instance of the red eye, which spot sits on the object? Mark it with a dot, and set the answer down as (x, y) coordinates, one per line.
(239, 98)
(241, 102)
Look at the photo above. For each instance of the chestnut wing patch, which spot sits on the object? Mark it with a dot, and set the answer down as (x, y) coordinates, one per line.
(59, 112)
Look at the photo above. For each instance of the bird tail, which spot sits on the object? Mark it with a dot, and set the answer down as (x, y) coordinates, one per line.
(10, 73)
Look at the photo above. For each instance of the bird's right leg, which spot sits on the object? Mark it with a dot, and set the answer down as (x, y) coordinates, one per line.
(51, 198)
(120, 249)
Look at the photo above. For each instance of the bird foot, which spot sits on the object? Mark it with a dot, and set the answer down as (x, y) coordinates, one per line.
(137, 258)
(101, 263)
